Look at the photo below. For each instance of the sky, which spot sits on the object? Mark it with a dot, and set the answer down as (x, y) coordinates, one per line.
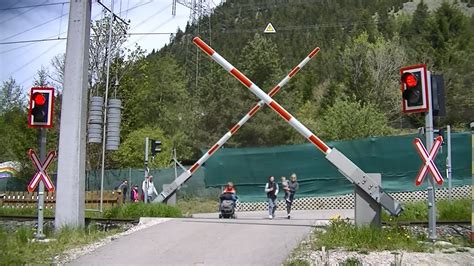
(48, 19)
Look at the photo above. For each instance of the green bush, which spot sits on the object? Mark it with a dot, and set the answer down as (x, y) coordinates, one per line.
(459, 210)
(140, 209)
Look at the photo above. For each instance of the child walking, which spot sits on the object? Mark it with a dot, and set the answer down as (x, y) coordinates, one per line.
(286, 188)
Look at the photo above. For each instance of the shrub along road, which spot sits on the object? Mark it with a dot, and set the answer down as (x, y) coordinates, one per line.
(207, 240)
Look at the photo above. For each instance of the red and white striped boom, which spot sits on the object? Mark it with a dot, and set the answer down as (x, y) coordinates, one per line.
(263, 96)
(351, 171)
(187, 174)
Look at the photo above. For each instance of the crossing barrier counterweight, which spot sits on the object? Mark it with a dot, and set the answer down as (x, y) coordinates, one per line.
(187, 174)
(351, 171)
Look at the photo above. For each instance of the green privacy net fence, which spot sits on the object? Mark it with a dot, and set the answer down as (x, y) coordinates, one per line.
(394, 157)
(112, 178)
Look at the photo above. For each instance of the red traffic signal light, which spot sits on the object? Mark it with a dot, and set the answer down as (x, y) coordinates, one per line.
(39, 99)
(409, 79)
(40, 112)
(414, 89)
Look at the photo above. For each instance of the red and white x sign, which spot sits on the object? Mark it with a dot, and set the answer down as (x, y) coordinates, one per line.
(428, 161)
(41, 174)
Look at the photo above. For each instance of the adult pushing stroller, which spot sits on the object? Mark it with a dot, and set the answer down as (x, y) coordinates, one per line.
(227, 205)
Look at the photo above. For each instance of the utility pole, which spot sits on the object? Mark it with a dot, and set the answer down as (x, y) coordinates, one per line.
(72, 138)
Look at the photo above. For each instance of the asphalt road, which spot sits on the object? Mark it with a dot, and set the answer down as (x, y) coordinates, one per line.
(251, 239)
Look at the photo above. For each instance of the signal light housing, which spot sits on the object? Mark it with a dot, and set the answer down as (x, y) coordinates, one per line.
(414, 88)
(155, 147)
(40, 111)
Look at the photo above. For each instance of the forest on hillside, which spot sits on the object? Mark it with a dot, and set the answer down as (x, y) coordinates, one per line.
(349, 90)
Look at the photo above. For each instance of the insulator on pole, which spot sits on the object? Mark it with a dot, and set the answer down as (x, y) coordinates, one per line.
(95, 121)
(113, 124)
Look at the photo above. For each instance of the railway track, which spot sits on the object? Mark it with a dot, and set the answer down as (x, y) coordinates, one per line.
(21, 218)
(422, 223)
(135, 221)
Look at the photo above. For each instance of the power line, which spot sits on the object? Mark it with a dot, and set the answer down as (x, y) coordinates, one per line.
(35, 40)
(34, 59)
(115, 16)
(24, 12)
(64, 38)
(33, 6)
(34, 27)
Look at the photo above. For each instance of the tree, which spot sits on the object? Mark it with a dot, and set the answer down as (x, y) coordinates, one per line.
(372, 72)
(351, 120)
(58, 73)
(131, 151)
(11, 96)
(15, 136)
(99, 50)
(41, 78)
(260, 62)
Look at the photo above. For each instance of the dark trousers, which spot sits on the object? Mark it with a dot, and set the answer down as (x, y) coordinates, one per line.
(288, 204)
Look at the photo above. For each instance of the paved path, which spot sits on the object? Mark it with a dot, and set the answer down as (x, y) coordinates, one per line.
(252, 239)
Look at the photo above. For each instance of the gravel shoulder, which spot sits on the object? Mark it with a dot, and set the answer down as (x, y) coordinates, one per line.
(443, 254)
(335, 257)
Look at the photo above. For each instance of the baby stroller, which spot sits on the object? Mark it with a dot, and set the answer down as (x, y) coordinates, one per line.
(227, 206)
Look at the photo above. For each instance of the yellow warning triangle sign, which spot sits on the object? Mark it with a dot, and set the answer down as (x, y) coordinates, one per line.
(269, 29)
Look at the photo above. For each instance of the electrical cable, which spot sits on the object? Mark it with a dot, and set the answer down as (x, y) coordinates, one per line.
(22, 13)
(35, 27)
(39, 5)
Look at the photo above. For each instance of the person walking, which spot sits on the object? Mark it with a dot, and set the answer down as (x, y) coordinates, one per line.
(271, 188)
(148, 189)
(134, 194)
(293, 187)
(123, 189)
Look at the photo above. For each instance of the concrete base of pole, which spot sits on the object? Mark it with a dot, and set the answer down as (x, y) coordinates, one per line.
(172, 199)
(367, 210)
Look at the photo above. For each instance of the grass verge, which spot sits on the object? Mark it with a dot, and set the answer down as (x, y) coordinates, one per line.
(197, 205)
(25, 212)
(16, 248)
(459, 209)
(129, 210)
(140, 209)
(341, 234)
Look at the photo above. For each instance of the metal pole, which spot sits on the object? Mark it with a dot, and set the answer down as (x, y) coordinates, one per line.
(175, 164)
(129, 184)
(145, 191)
(431, 186)
(72, 141)
(104, 133)
(448, 163)
(42, 144)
